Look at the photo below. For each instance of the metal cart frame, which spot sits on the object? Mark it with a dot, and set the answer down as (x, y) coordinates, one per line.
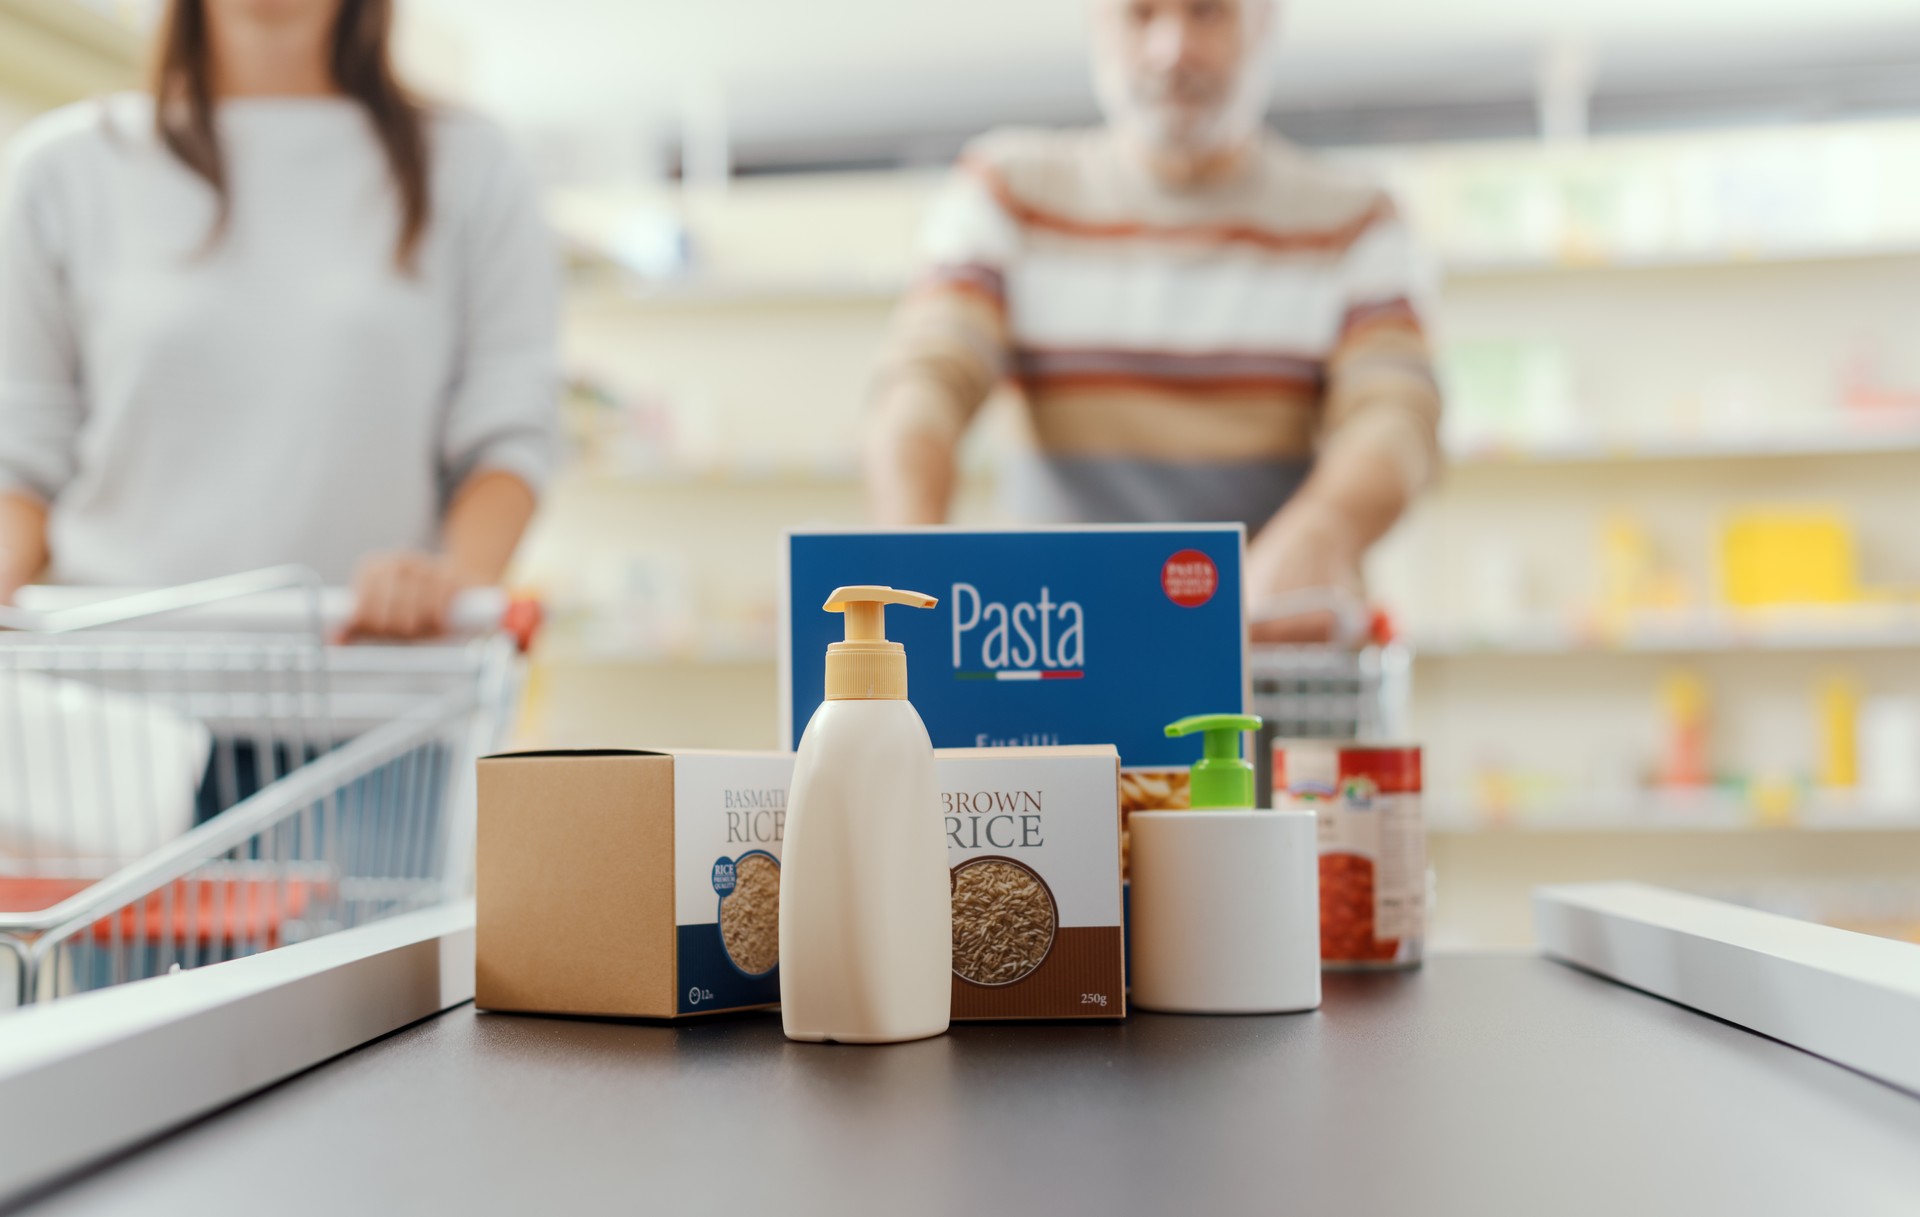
(340, 779)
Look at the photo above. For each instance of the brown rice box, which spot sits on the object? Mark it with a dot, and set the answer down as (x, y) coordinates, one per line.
(1033, 838)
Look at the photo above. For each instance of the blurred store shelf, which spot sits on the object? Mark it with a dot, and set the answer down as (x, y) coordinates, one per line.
(800, 291)
(1465, 268)
(1901, 441)
(702, 289)
(1894, 628)
(57, 51)
(1657, 812)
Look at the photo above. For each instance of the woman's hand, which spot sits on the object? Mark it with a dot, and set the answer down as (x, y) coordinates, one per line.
(403, 595)
(409, 594)
(23, 542)
(14, 575)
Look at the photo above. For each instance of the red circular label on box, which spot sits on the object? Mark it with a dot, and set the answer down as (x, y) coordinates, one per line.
(1190, 578)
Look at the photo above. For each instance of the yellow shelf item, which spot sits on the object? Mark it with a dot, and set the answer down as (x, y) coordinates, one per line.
(1839, 722)
(1773, 557)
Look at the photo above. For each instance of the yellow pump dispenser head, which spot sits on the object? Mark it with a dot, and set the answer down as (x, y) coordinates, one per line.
(866, 667)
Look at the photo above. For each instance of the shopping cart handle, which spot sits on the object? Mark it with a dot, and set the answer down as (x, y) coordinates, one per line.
(60, 610)
(481, 610)
(282, 600)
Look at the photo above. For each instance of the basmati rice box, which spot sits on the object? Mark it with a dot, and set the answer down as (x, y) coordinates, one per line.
(630, 883)
(1033, 839)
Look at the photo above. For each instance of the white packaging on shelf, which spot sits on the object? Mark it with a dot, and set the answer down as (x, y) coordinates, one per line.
(1890, 754)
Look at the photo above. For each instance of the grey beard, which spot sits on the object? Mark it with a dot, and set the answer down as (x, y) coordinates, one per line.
(1230, 124)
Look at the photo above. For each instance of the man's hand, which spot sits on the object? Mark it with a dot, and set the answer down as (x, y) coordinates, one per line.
(1307, 548)
(403, 595)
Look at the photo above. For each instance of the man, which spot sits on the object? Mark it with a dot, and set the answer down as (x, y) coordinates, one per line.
(1203, 324)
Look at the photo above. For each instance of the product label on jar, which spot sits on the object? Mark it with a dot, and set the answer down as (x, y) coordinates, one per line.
(1372, 838)
(1385, 830)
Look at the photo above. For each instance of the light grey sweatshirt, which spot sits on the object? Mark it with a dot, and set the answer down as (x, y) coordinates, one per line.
(286, 394)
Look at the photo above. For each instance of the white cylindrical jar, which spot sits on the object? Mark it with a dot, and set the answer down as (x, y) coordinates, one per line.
(1225, 912)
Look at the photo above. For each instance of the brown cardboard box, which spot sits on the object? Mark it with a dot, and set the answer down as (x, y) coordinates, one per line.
(604, 876)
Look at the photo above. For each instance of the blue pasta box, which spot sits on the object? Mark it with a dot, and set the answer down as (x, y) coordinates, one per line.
(1042, 636)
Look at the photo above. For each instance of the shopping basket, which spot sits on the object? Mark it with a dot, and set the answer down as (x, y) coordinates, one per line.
(193, 774)
(1356, 686)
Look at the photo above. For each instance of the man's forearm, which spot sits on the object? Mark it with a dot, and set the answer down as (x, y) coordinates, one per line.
(910, 467)
(1354, 495)
(1359, 488)
(947, 350)
(484, 524)
(23, 541)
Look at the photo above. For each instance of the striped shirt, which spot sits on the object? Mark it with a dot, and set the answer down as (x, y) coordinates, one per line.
(1180, 354)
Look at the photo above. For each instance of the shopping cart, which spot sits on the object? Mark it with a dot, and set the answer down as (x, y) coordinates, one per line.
(192, 775)
(1356, 686)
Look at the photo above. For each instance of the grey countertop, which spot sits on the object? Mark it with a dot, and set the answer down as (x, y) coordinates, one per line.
(1481, 1085)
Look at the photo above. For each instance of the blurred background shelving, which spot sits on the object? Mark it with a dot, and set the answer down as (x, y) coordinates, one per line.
(1684, 634)
(1675, 279)
(57, 51)
(1896, 441)
(1708, 811)
(1647, 335)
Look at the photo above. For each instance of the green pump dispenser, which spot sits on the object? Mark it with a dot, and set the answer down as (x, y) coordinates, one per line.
(1221, 777)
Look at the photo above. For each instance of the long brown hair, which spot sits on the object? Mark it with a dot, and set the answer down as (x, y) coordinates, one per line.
(363, 68)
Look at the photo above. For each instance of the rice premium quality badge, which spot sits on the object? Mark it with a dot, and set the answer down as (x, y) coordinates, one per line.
(750, 913)
(1033, 838)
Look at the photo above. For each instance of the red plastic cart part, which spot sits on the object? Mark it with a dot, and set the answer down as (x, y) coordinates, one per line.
(201, 910)
(523, 619)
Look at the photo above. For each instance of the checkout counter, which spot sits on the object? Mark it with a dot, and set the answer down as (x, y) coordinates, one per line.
(354, 1077)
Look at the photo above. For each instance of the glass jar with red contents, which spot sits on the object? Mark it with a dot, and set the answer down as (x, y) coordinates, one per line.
(1373, 846)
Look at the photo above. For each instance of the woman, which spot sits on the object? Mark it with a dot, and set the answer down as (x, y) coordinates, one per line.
(277, 311)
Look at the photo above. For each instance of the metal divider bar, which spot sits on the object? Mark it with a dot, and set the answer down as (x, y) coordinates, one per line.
(1851, 998)
(86, 1077)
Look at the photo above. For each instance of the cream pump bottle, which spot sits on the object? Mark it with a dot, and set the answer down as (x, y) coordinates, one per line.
(866, 912)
